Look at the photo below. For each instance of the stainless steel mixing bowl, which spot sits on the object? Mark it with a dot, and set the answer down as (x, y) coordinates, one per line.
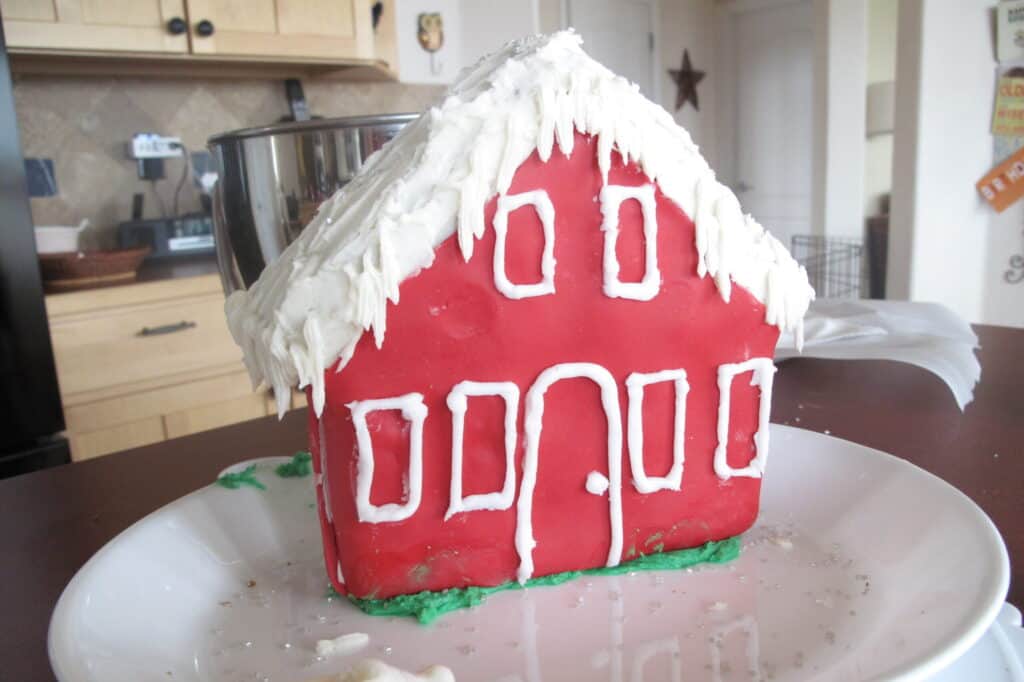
(272, 180)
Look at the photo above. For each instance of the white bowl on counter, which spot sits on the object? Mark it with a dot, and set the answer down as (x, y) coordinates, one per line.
(59, 238)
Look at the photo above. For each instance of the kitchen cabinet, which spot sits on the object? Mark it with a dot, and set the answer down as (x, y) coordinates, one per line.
(157, 26)
(218, 37)
(331, 29)
(146, 362)
(261, 38)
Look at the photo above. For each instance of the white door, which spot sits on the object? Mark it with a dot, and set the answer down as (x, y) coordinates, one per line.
(772, 118)
(619, 34)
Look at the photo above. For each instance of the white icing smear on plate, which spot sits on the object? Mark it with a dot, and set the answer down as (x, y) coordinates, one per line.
(311, 306)
(343, 645)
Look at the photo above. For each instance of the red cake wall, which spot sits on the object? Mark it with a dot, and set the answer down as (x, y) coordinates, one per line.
(453, 325)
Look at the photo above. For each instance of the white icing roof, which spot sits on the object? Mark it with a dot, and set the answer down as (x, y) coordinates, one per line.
(332, 284)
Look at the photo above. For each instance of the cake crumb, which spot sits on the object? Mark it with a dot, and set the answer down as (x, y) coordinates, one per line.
(718, 607)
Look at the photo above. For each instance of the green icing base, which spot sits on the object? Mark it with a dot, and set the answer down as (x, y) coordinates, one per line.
(300, 465)
(428, 606)
(244, 477)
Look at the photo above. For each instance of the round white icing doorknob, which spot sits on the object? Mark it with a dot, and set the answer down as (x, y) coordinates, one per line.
(597, 483)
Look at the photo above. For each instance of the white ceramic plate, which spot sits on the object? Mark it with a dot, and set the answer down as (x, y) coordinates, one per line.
(997, 657)
(861, 567)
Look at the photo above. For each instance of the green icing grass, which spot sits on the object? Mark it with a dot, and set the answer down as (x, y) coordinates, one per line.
(244, 477)
(428, 606)
(301, 465)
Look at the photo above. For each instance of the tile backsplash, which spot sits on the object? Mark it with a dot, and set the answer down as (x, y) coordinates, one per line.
(83, 123)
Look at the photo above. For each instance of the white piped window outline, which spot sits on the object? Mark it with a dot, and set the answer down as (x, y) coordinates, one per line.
(612, 197)
(763, 376)
(414, 411)
(539, 199)
(635, 385)
(524, 540)
(458, 404)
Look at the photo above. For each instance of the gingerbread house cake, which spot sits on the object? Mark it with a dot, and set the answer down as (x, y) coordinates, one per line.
(536, 335)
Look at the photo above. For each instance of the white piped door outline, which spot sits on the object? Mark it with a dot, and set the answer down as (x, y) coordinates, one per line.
(525, 541)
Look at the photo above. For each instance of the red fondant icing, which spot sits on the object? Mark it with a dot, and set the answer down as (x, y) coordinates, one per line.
(453, 325)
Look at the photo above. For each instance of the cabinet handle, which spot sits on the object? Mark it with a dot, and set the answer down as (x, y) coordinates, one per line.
(166, 328)
(176, 26)
(204, 28)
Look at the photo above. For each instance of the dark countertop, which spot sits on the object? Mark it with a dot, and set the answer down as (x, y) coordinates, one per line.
(191, 266)
(52, 521)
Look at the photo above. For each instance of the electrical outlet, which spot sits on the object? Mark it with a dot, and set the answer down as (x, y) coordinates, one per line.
(153, 146)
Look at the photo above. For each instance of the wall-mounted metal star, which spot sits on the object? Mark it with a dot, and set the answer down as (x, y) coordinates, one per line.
(686, 79)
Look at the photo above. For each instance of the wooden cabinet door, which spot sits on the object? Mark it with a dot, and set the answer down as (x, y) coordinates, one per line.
(107, 25)
(298, 29)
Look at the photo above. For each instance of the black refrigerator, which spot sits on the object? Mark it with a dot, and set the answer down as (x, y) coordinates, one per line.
(31, 417)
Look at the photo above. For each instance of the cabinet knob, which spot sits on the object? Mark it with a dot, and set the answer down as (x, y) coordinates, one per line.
(176, 26)
(204, 28)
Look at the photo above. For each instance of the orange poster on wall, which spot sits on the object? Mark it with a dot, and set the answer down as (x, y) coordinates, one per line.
(1004, 184)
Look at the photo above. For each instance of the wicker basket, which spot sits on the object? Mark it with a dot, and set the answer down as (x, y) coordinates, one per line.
(82, 269)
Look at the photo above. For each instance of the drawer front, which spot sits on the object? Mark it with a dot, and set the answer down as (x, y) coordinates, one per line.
(206, 417)
(122, 437)
(122, 345)
(130, 420)
(158, 402)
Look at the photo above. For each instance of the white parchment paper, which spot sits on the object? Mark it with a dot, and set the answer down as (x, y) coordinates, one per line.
(928, 335)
